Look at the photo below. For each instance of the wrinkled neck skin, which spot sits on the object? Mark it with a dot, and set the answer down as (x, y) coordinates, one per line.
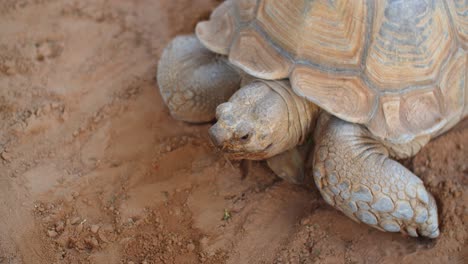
(301, 116)
(263, 119)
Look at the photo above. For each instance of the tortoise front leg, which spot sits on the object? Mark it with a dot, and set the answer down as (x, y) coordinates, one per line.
(193, 81)
(354, 174)
(290, 164)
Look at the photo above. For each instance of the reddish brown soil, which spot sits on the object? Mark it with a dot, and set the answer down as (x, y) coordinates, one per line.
(94, 170)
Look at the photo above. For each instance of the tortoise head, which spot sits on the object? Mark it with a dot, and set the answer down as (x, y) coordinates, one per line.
(253, 124)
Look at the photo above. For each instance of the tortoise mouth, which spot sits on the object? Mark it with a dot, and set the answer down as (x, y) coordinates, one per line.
(235, 147)
(236, 154)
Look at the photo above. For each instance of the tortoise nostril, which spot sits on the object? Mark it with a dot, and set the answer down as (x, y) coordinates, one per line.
(245, 137)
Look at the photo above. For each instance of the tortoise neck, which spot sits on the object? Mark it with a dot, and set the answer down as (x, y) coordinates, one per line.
(302, 115)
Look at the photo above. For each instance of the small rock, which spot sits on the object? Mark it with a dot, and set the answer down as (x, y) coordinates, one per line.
(69, 198)
(464, 168)
(44, 50)
(420, 170)
(38, 112)
(59, 226)
(168, 148)
(97, 119)
(52, 233)
(64, 116)
(46, 109)
(6, 156)
(305, 221)
(10, 65)
(75, 220)
(79, 228)
(94, 229)
(93, 242)
(190, 247)
(103, 237)
(204, 242)
(54, 105)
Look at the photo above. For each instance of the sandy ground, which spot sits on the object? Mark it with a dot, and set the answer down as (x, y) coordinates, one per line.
(94, 170)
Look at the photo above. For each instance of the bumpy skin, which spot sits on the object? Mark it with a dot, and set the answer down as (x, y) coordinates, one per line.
(290, 165)
(355, 174)
(261, 120)
(193, 81)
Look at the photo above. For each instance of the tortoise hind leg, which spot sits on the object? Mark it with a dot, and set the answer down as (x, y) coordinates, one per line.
(193, 81)
(354, 174)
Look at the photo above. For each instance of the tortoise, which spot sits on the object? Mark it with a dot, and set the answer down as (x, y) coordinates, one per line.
(371, 81)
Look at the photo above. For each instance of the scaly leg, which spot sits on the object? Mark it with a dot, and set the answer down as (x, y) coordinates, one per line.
(290, 164)
(193, 81)
(354, 174)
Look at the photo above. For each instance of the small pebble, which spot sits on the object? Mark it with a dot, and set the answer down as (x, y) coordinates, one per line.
(305, 221)
(54, 105)
(59, 226)
(75, 220)
(46, 109)
(191, 247)
(94, 242)
(94, 229)
(64, 116)
(464, 168)
(204, 242)
(103, 237)
(52, 233)
(6, 156)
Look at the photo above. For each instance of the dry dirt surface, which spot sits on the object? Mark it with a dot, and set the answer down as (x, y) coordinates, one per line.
(94, 170)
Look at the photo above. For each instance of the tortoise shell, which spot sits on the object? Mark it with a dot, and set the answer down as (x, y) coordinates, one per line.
(397, 67)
